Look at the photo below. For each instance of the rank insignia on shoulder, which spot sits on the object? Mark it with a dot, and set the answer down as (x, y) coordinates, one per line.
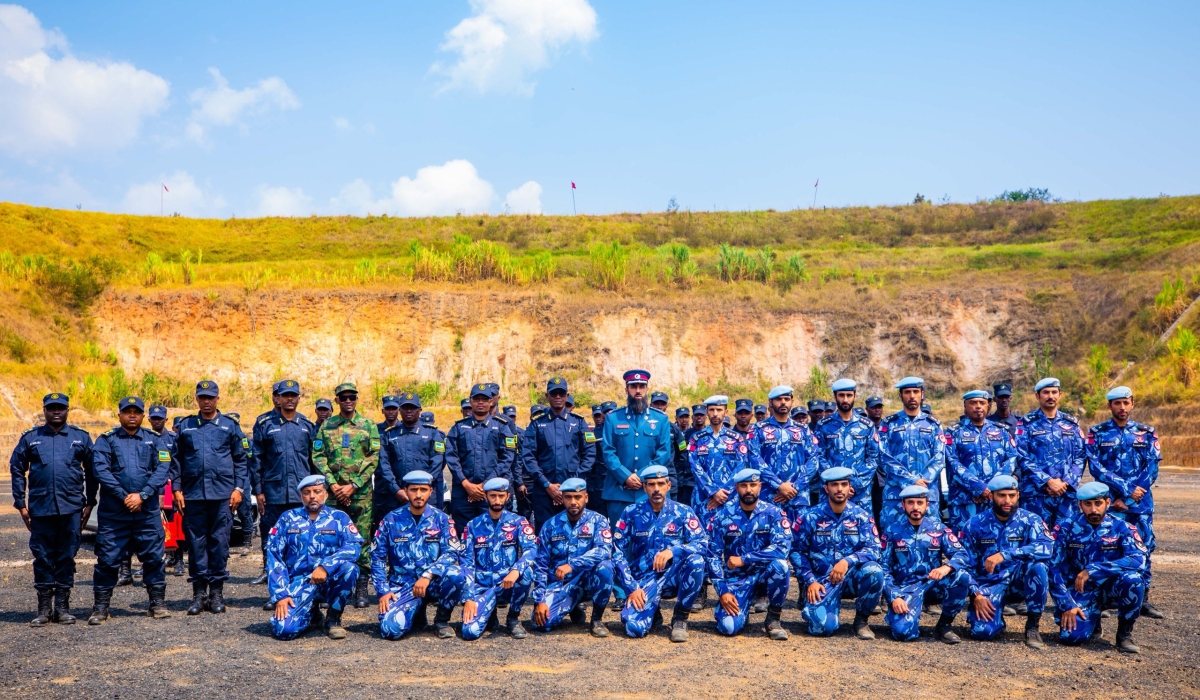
(510, 443)
(439, 446)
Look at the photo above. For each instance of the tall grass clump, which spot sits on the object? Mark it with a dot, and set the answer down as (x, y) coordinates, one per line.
(609, 266)
(733, 264)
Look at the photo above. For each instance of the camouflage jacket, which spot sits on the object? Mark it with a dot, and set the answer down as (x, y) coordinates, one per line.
(347, 451)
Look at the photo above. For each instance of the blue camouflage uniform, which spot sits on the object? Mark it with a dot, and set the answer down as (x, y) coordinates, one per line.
(405, 549)
(493, 549)
(52, 476)
(127, 464)
(402, 450)
(789, 453)
(1026, 544)
(207, 463)
(715, 457)
(556, 448)
(910, 449)
(1049, 449)
(909, 554)
(630, 442)
(296, 546)
(639, 536)
(587, 545)
(282, 458)
(477, 451)
(1124, 459)
(975, 454)
(852, 444)
(822, 538)
(1115, 558)
(762, 540)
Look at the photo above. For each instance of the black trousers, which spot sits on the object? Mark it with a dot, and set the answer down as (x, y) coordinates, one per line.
(208, 525)
(54, 541)
(543, 507)
(463, 511)
(136, 533)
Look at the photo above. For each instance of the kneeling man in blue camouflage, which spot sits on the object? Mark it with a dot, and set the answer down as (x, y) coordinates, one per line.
(748, 551)
(922, 557)
(659, 549)
(835, 551)
(312, 551)
(1098, 563)
(574, 561)
(498, 561)
(414, 560)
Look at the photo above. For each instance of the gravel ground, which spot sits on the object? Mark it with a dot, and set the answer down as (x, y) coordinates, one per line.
(233, 655)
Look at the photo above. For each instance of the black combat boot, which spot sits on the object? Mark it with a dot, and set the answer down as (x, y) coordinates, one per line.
(1151, 612)
(862, 630)
(515, 629)
(216, 597)
(760, 604)
(62, 606)
(125, 571)
(333, 624)
(262, 578)
(199, 599)
(420, 619)
(701, 599)
(943, 633)
(1125, 637)
(578, 616)
(679, 630)
(316, 621)
(180, 562)
(598, 627)
(1033, 638)
(773, 626)
(360, 592)
(45, 608)
(158, 601)
(100, 607)
(441, 622)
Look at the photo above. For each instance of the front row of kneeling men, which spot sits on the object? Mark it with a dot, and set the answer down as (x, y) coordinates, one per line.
(748, 548)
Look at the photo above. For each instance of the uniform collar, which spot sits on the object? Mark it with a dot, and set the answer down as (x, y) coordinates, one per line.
(47, 430)
(773, 421)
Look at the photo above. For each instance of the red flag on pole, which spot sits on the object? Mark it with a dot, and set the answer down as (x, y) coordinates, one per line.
(572, 184)
(817, 182)
(165, 188)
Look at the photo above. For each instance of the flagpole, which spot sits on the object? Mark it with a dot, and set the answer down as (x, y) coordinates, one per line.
(161, 210)
(573, 209)
(815, 185)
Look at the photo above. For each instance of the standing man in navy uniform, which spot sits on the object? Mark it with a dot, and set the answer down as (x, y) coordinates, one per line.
(634, 437)
(678, 470)
(1002, 393)
(408, 446)
(208, 465)
(479, 447)
(55, 462)
(558, 445)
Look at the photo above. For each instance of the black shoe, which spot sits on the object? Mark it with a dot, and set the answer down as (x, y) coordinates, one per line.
(125, 572)
(577, 615)
(1033, 638)
(516, 630)
(1097, 632)
(421, 618)
(216, 597)
(760, 605)
(268, 606)
(360, 593)
(943, 633)
(180, 565)
(1021, 608)
(862, 630)
(773, 626)
(333, 625)
(1125, 637)
(934, 609)
(441, 622)
(598, 629)
(62, 606)
(701, 600)
(1151, 612)
(261, 580)
(617, 604)
(317, 620)
(158, 601)
(45, 608)
(199, 599)
(100, 608)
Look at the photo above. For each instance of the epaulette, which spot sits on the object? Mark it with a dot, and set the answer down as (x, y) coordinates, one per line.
(264, 417)
(825, 419)
(657, 410)
(1031, 415)
(500, 418)
(575, 415)
(1070, 417)
(109, 433)
(891, 419)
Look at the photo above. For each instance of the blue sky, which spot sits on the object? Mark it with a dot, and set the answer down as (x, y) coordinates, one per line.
(435, 107)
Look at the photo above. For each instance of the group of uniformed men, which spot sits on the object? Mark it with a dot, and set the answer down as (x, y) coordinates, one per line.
(634, 508)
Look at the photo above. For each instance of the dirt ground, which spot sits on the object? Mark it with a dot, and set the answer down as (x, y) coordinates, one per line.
(234, 655)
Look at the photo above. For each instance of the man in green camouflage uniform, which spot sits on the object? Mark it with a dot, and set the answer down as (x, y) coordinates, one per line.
(346, 451)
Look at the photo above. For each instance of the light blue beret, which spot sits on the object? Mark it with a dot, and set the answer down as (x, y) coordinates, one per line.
(1090, 490)
(976, 394)
(654, 471)
(844, 385)
(311, 480)
(745, 475)
(911, 383)
(1047, 382)
(573, 484)
(717, 400)
(836, 474)
(914, 491)
(1119, 392)
(1002, 482)
(496, 484)
(781, 390)
(417, 478)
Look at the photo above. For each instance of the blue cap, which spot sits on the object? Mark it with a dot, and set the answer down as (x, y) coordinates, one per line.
(873, 402)
(207, 388)
(158, 411)
(681, 411)
(799, 411)
(636, 376)
(556, 383)
(1002, 389)
(55, 400)
(597, 408)
(311, 480)
(1090, 490)
(743, 405)
(816, 405)
(659, 396)
(781, 390)
(286, 386)
(418, 477)
(510, 411)
(574, 484)
(911, 383)
(698, 409)
(536, 410)
(609, 406)
(1047, 382)
(131, 402)
(426, 418)
(654, 471)
(497, 483)
(483, 389)
(760, 408)
(408, 399)
(571, 400)
(717, 400)
(465, 403)
(914, 491)
(747, 475)
(1002, 482)
(325, 403)
(1119, 392)
(390, 401)
(844, 385)
(975, 394)
(836, 474)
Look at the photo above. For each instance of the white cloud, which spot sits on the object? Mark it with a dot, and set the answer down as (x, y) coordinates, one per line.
(440, 190)
(221, 105)
(184, 196)
(526, 199)
(281, 201)
(356, 198)
(342, 124)
(54, 101)
(503, 42)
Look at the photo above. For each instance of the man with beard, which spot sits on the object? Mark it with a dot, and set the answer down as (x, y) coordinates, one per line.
(835, 550)
(312, 553)
(976, 450)
(748, 553)
(659, 551)
(1008, 549)
(498, 560)
(849, 440)
(1002, 394)
(715, 455)
(558, 446)
(912, 451)
(634, 437)
(1098, 563)
(1051, 453)
(922, 557)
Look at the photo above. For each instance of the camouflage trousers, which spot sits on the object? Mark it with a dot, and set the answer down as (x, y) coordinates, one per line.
(360, 513)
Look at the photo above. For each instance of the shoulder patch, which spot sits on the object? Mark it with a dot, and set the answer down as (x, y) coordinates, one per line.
(439, 446)
(510, 442)
(589, 436)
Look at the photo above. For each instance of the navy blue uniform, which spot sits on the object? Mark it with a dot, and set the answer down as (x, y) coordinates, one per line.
(682, 481)
(554, 449)
(402, 450)
(282, 458)
(52, 476)
(477, 451)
